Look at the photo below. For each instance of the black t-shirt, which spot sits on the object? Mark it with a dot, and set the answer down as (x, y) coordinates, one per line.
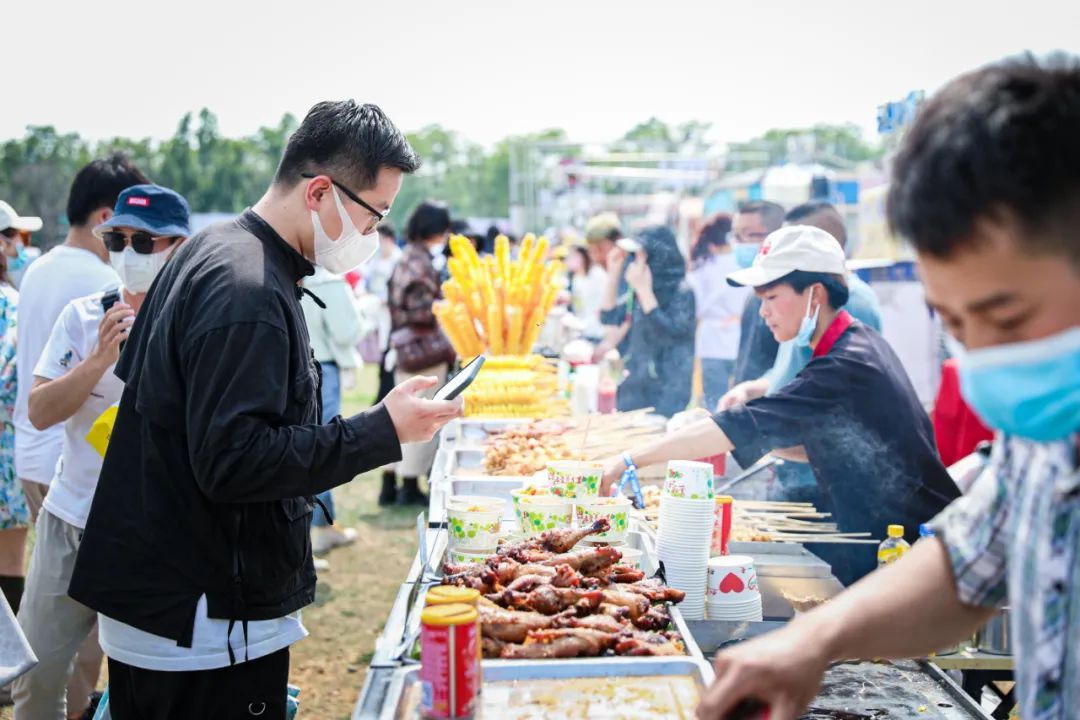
(217, 449)
(869, 441)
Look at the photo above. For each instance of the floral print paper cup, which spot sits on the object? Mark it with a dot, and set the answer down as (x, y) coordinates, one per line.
(689, 480)
(531, 491)
(541, 513)
(615, 509)
(574, 479)
(474, 522)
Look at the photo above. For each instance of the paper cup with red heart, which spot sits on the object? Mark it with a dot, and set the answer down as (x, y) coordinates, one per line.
(732, 579)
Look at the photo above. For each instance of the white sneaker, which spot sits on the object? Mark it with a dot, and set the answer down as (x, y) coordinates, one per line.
(322, 565)
(326, 538)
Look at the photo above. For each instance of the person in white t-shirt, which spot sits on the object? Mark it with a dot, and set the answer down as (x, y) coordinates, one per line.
(77, 267)
(74, 386)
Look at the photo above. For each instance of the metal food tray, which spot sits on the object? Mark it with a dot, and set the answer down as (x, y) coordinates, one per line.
(475, 431)
(634, 539)
(396, 707)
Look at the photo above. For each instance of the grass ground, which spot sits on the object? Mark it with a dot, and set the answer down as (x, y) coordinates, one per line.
(354, 598)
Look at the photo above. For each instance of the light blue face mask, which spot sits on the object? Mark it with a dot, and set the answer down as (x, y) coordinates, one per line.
(20, 261)
(1030, 389)
(809, 323)
(745, 253)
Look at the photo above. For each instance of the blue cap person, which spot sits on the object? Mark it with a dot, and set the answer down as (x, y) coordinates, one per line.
(149, 222)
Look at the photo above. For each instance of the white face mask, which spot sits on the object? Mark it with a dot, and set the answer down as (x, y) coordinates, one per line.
(136, 271)
(349, 250)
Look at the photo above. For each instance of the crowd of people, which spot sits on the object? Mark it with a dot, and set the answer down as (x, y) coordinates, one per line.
(172, 402)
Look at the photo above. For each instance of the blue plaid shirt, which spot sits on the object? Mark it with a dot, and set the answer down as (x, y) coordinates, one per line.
(1015, 538)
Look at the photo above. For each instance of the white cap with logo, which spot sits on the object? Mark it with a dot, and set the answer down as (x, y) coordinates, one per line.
(791, 248)
(11, 219)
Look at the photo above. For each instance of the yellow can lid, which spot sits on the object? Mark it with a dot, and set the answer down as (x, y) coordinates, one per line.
(449, 594)
(724, 500)
(449, 615)
(896, 531)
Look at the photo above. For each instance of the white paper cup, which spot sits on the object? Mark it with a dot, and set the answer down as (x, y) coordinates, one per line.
(689, 479)
(575, 479)
(541, 513)
(615, 509)
(474, 522)
(732, 579)
(464, 557)
(531, 491)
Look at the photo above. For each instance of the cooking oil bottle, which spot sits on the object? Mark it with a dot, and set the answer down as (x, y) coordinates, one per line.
(893, 547)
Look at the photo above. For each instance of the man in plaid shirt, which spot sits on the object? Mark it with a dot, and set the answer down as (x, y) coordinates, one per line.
(987, 188)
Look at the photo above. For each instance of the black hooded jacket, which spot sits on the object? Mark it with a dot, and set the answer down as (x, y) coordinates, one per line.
(207, 485)
(660, 344)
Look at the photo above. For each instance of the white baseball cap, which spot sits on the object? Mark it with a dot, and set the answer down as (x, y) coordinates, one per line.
(791, 248)
(11, 219)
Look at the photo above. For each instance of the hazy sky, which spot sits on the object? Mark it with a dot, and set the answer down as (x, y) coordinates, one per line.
(489, 69)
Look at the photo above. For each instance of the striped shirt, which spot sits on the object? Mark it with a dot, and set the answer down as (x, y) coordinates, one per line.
(1015, 539)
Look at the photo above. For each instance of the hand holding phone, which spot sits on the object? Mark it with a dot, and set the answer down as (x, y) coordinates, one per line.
(457, 384)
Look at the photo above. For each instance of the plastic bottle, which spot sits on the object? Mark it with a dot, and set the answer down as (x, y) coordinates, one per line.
(893, 547)
(925, 531)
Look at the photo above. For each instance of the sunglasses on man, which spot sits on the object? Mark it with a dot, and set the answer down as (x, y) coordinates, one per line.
(141, 242)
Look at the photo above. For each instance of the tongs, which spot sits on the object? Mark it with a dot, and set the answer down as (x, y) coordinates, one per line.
(409, 635)
(764, 464)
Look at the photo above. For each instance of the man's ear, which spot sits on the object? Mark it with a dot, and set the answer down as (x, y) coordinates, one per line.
(314, 189)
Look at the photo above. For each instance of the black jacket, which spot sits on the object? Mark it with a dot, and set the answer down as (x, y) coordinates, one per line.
(217, 449)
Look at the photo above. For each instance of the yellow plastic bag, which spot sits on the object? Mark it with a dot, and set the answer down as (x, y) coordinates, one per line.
(101, 430)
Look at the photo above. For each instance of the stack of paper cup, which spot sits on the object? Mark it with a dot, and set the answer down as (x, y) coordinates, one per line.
(683, 540)
(733, 592)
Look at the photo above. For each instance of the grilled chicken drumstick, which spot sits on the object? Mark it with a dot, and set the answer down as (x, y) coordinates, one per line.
(564, 643)
(510, 626)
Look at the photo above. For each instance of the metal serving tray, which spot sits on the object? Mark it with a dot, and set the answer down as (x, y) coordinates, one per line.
(398, 694)
(476, 430)
(409, 625)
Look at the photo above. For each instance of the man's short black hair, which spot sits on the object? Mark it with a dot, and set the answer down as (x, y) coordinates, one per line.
(808, 209)
(1000, 142)
(772, 214)
(822, 210)
(348, 142)
(836, 286)
(430, 218)
(98, 185)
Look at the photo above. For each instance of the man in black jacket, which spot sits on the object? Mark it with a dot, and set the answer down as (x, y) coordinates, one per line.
(197, 554)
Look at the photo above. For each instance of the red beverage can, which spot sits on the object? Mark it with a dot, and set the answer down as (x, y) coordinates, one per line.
(449, 681)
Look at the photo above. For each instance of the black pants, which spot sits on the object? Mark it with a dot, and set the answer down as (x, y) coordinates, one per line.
(245, 690)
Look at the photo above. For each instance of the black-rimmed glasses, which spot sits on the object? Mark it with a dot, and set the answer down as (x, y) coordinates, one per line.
(352, 196)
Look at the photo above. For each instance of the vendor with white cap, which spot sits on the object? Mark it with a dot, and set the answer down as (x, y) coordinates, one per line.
(15, 233)
(851, 413)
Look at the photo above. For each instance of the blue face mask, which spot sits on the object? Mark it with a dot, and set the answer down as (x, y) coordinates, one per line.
(745, 253)
(1030, 389)
(20, 261)
(809, 324)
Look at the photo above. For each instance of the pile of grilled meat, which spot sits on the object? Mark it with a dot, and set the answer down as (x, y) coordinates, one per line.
(539, 599)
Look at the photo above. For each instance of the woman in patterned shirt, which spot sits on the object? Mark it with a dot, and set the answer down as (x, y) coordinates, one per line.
(14, 513)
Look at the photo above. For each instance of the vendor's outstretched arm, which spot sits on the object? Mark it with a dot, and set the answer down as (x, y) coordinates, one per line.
(701, 439)
(908, 609)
